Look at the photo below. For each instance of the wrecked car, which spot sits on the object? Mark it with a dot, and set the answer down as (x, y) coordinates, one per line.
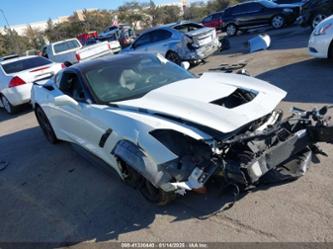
(181, 41)
(166, 131)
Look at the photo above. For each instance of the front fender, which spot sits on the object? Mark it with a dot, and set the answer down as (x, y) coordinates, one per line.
(135, 156)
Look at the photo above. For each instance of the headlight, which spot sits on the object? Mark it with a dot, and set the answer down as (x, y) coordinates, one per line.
(322, 29)
(288, 10)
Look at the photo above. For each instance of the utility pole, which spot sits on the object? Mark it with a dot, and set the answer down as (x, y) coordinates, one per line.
(10, 30)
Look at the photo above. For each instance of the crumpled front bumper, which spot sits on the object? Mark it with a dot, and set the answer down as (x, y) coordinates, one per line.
(293, 152)
(290, 155)
(283, 153)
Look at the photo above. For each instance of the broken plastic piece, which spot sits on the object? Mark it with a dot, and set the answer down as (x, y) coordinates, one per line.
(229, 68)
(260, 42)
(185, 64)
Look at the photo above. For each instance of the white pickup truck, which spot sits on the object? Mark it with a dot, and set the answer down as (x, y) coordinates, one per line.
(71, 50)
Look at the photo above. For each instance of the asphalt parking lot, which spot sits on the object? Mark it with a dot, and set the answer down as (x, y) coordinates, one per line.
(49, 193)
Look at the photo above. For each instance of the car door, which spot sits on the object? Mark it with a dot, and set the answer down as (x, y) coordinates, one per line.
(75, 119)
(142, 43)
(160, 41)
(259, 14)
(248, 14)
(217, 20)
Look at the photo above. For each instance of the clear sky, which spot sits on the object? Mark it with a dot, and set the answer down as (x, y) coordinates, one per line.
(27, 11)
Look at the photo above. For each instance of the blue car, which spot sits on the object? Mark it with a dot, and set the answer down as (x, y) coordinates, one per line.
(182, 41)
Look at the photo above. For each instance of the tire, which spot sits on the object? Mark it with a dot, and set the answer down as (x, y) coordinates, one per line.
(67, 63)
(317, 18)
(231, 29)
(173, 57)
(45, 125)
(156, 195)
(149, 192)
(9, 108)
(330, 51)
(278, 21)
(132, 177)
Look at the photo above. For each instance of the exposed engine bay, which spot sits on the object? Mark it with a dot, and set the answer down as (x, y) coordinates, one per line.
(243, 158)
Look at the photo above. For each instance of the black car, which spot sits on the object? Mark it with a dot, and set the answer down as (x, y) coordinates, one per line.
(299, 2)
(255, 14)
(314, 11)
(213, 21)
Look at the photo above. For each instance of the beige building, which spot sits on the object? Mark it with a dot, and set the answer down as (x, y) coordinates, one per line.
(42, 25)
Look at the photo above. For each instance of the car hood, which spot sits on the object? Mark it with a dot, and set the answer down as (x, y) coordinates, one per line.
(191, 100)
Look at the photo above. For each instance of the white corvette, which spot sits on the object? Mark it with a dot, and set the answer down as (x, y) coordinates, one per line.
(166, 131)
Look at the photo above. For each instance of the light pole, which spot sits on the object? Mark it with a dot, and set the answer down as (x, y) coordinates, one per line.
(4, 16)
(10, 30)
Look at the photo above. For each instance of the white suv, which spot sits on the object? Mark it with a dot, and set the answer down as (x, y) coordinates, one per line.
(17, 75)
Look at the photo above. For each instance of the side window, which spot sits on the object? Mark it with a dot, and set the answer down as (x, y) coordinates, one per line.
(71, 86)
(216, 17)
(57, 78)
(244, 8)
(160, 35)
(207, 19)
(142, 40)
(228, 11)
(254, 7)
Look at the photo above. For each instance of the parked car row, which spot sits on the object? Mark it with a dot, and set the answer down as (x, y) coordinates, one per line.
(253, 14)
(279, 13)
(275, 13)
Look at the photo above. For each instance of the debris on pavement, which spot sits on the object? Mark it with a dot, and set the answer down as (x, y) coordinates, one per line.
(230, 68)
(259, 42)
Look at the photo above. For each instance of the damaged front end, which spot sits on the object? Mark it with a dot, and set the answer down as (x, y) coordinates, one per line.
(283, 147)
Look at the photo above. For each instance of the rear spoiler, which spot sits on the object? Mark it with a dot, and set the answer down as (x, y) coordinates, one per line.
(8, 57)
(43, 78)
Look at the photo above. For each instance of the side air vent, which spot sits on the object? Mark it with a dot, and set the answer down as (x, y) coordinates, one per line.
(237, 98)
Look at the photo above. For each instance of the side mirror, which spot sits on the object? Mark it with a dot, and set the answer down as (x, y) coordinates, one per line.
(185, 65)
(63, 100)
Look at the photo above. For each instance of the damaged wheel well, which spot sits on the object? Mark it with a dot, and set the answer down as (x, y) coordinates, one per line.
(134, 157)
(181, 144)
(133, 175)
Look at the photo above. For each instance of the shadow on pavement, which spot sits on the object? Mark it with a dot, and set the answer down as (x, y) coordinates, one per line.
(22, 110)
(308, 81)
(53, 195)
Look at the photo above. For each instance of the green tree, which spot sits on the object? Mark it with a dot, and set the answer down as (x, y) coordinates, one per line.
(35, 37)
(171, 14)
